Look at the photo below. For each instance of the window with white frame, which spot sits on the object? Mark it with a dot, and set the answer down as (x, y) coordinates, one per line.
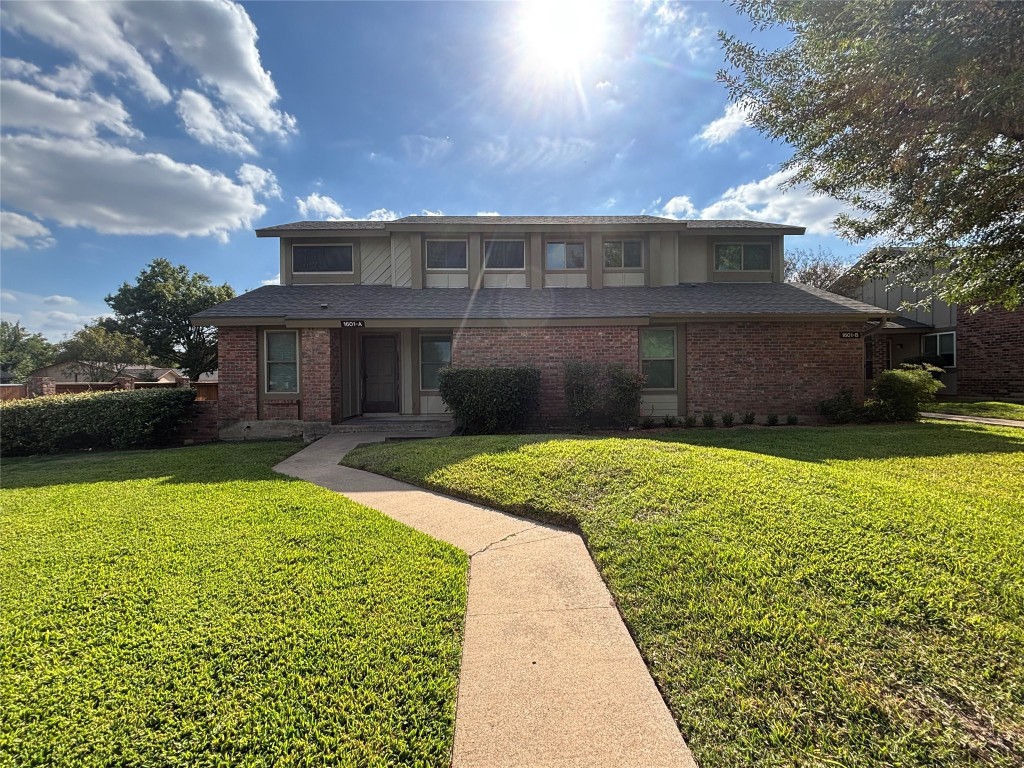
(746, 257)
(435, 354)
(330, 258)
(564, 255)
(504, 254)
(447, 254)
(282, 361)
(658, 357)
(940, 345)
(623, 254)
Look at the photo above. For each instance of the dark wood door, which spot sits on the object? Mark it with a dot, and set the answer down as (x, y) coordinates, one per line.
(380, 374)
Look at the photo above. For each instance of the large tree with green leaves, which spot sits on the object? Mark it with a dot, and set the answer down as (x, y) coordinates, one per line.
(99, 354)
(911, 112)
(22, 351)
(156, 309)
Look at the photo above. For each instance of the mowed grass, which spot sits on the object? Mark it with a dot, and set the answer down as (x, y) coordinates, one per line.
(992, 409)
(844, 596)
(190, 607)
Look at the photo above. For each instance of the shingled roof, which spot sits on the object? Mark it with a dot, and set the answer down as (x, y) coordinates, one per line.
(378, 302)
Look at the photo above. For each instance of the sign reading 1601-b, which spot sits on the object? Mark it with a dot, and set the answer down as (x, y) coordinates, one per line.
(353, 323)
(849, 334)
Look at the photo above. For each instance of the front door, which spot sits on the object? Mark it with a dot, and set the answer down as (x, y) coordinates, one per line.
(380, 374)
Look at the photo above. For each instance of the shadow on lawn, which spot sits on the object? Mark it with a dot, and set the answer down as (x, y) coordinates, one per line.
(215, 463)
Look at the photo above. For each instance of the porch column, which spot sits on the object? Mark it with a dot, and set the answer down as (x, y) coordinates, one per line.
(316, 374)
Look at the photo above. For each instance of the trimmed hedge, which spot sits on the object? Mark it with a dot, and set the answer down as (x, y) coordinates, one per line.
(486, 401)
(119, 419)
(599, 395)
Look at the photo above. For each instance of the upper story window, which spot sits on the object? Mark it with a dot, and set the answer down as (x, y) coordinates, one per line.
(322, 258)
(940, 345)
(504, 254)
(447, 254)
(730, 257)
(565, 255)
(623, 254)
(282, 360)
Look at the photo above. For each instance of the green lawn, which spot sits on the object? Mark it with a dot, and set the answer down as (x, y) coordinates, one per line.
(190, 607)
(992, 409)
(842, 596)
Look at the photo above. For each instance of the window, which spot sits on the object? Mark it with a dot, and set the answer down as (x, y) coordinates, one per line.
(565, 255)
(940, 345)
(446, 254)
(623, 254)
(658, 357)
(282, 355)
(435, 354)
(504, 254)
(743, 256)
(322, 258)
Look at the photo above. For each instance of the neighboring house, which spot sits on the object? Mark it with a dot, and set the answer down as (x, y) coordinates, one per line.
(368, 312)
(72, 372)
(982, 353)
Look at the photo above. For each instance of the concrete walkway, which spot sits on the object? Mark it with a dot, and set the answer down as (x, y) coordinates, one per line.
(550, 675)
(975, 419)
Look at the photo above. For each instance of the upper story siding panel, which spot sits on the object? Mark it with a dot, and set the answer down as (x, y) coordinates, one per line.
(934, 312)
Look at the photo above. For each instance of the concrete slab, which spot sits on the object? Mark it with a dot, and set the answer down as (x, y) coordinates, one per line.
(550, 675)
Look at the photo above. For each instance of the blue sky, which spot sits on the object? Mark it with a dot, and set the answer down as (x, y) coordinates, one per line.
(132, 131)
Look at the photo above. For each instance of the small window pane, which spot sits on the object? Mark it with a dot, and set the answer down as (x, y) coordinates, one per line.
(322, 258)
(661, 374)
(281, 347)
(660, 343)
(282, 377)
(757, 256)
(947, 344)
(555, 256)
(504, 254)
(632, 254)
(575, 256)
(931, 345)
(430, 375)
(436, 350)
(728, 257)
(613, 255)
(446, 254)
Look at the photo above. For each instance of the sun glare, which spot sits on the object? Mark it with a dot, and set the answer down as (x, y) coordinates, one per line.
(561, 36)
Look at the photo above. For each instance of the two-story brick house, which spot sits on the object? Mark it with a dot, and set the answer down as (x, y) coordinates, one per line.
(368, 312)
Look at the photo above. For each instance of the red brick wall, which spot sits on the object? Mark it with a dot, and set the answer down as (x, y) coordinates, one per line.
(315, 352)
(337, 406)
(990, 353)
(275, 409)
(876, 348)
(547, 349)
(237, 373)
(203, 426)
(765, 367)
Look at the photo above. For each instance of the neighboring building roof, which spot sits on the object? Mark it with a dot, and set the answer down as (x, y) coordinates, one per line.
(898, 323)
(411, 222)
(378, 302)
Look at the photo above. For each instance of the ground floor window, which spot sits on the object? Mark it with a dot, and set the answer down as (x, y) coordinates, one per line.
(282, 361)
(940, 345)
(658, 357)
(435, 354)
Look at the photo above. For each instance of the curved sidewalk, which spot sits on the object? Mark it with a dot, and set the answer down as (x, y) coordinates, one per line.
(975, 419)
(550, 675)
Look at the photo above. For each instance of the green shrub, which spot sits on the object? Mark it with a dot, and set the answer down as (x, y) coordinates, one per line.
(748, 417)
(119, 419)
(487, 401)
(583, 393)
(648, 422)
(841, 409)
(668, 421)
(727, 419)
(792, 419)
(901, 392)
(772, 419)
(624, 394)
(691, 421)
(708, 419)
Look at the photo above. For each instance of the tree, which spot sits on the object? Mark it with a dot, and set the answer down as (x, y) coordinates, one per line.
(820, 268)
(157, 309)
(21, 351)
(99, 354)
(913, 114)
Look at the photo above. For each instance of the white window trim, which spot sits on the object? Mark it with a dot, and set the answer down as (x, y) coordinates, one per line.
(569, 270)
(445, 269)
(624, 268)
(674, 358)
(324, 245)
(483, 254)
(267, 361)
(420, 352)
(771, 257)
(938, 346)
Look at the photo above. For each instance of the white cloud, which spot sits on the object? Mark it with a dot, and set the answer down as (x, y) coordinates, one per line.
(321, 207)
(487, 213)
(427, 212)
(423, 150)
(725, 127)
(8, 296)
(207, 125)
(139, 194)
(260, 180)
(17, 231)
(670, 27)
(38, 315)
(540, 152)
(764, 201)
(275, 280)
(27, 107)
(382, 214)
(56, 300)
(679, 207)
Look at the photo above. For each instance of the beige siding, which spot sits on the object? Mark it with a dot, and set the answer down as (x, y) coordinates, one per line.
(569, 280)
(660, 404)
(432, 404)
(934, 312)
(621, 279)
(504, 280)
(664, 259)
(693, 259)
(445, 280)
(401, 259)
(376, 261)
(405, 371)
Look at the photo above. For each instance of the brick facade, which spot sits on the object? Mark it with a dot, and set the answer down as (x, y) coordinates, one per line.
(764, 367)
(547, 349)
(238, 371)
(990, 353)
(203, 426)
(337, 406)
(315, 372)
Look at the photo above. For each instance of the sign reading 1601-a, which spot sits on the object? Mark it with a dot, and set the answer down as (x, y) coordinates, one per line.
(353, 323)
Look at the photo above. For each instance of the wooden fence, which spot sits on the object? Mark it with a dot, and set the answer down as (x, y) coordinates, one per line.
(12, 392)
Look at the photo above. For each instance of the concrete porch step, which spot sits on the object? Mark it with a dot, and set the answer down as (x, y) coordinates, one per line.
(395, 425)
